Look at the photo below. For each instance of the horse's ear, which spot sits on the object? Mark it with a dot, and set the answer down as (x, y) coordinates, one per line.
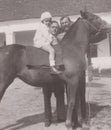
(83, 14)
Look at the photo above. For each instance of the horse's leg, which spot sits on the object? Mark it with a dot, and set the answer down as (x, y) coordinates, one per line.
(2, 90)
(75, 122)
(3, 86)
(82, 85)
(72, 89)
(60, 103)
(47, 105)
(5, 81)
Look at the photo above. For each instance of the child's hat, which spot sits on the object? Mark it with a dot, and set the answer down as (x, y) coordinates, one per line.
(45, 15)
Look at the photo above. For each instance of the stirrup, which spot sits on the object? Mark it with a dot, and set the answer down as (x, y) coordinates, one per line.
(55, 70)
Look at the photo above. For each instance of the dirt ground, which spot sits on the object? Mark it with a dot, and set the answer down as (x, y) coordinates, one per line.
(22, 107)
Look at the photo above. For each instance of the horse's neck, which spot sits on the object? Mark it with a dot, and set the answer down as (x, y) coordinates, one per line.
(78, 38)
(82, 39)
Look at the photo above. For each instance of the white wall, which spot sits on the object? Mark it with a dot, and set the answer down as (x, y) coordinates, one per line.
(101, 62)
(103, 48)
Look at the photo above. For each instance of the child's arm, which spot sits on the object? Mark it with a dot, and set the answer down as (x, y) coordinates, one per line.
(45, 33)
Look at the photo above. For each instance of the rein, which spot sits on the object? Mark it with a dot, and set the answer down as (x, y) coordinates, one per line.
(94, 27)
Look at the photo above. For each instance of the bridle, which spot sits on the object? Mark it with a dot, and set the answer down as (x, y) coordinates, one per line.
(92, 26)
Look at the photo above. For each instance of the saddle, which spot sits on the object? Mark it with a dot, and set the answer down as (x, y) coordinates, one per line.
(39, 59)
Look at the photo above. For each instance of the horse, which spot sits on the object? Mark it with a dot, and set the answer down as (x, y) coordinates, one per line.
(13, 59)
(14, 62)
(88, 29)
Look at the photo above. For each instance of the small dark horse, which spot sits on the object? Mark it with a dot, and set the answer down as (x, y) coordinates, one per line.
(13, 59)
(14, 63)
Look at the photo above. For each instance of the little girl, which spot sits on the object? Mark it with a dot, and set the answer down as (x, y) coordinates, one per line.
(43, 39)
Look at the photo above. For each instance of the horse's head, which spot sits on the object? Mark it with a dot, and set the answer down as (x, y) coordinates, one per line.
(93, 19)
(96, 25)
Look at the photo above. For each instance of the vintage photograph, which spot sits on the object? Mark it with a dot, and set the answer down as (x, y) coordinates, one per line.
(55, 64)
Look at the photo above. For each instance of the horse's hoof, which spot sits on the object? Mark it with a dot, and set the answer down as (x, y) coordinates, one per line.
(85, 126)
(68, 124)
(76, 125)
(47, 123)
(79, 128)
(60, 120)
(85, 123)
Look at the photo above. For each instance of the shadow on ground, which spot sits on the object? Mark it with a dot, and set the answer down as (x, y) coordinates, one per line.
(26, 121)
(94, 109)
(38, 118)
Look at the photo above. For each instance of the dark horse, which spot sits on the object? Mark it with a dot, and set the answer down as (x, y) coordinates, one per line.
(14, 62)
(14, 59)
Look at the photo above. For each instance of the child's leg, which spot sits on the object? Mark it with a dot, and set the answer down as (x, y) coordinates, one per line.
(51, 51)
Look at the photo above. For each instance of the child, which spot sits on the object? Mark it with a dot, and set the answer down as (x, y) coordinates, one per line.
(43, 38)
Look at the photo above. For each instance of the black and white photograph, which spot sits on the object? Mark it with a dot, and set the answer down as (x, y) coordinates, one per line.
(55, 64)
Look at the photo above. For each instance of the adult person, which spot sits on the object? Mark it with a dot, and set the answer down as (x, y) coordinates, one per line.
(53, 88)
(65, 24)
(43, 38)
(54, 30)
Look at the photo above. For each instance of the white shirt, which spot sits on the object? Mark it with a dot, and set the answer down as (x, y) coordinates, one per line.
(42, 36)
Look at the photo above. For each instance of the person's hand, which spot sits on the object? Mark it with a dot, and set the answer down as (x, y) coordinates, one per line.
(54, 41)
(60, 36)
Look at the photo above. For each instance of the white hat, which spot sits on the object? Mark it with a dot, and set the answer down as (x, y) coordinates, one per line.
(45, 15)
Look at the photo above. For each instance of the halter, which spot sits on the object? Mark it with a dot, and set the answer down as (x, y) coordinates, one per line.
(94, 27)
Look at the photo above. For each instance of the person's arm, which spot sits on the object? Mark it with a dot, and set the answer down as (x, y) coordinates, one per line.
(45, 33)
(60, 36)
(35, 36)
(41, 32)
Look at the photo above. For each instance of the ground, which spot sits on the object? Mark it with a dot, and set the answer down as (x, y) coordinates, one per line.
(22, 107)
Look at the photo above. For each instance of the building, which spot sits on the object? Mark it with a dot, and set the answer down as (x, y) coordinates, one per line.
(19, 19)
